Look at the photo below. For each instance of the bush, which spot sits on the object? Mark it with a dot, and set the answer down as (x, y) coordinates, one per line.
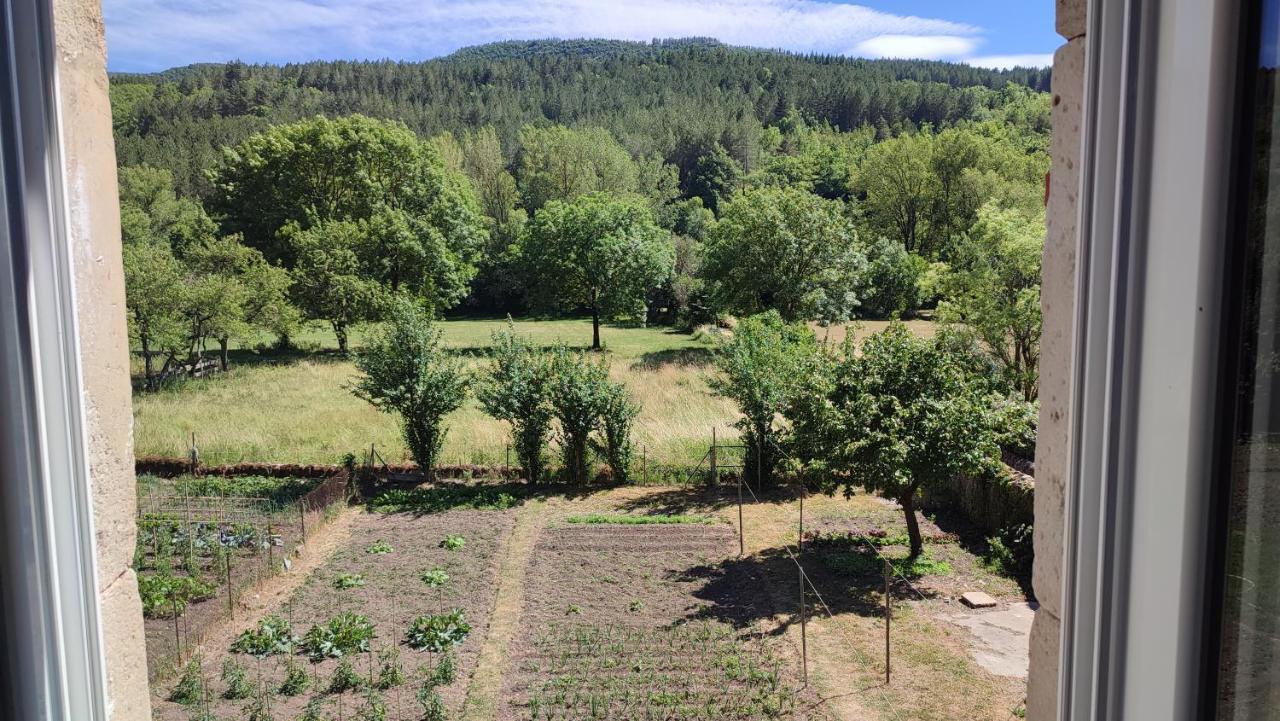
(345, 678)
(405, 370)
(295, 681)
(892, 280)
(517, 389)
(438, 632)
(617, 413)
(578, 395)
(1012, 552)
(1015, 425)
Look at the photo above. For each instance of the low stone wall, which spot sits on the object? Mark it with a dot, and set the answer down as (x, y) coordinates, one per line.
(991, 504)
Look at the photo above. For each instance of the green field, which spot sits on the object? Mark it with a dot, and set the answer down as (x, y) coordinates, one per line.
(297, 409)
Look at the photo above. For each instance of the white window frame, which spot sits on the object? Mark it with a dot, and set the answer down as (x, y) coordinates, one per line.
(1160, 92)
(53, 665)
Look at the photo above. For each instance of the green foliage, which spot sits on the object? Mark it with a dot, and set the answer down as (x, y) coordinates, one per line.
(893, 416)
(578, 396)
(560, 163)
(598, 251)
(273, 636)
(715, 177)
(784, 249)
(315, 709)
(390, 670)
(435, 577)
(342, 635)
(433, 708)
(1012, 551)
(892, 281)
(629, 520)
(405, 370)
(259, 707)
(373, 708)
(345, 678)
(762, 366)
(236, 680)
(995, 291)
(329, 283)
(446, 497)
(380, 547)
(453, 542)
(1015, 422)
(189, 690)
(446, 670)
(518, 389)
(164, 594)
(617, 413)
(438, 632)
(348, 580)
(295, 680)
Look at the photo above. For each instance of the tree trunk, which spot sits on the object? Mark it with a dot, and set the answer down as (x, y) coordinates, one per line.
(595, 327)
(340, 332)
(222, 353)
(908, 501)
(148, 366)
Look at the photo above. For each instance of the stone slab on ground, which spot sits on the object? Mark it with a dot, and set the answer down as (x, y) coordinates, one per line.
(977, 599)
(999, 639)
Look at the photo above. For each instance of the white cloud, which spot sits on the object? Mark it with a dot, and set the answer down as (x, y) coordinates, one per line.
(1004, 62)
(155, 34)
(927, 47)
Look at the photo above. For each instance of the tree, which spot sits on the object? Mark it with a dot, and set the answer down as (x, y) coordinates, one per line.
(892, 280)
(235, 291)
(518, 389)
(405, 370)
(715, 177)
(151, 211)
(578, 394)
(898, 179)
(352, 168)
(895, 417)
(761, 367)
(559, 163)
(598, 252)
(154, 281)
(328, 281)
(995, 291)
(784, 249)
(617, 414)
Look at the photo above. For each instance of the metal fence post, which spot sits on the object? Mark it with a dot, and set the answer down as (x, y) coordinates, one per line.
(715, 476)
(888, 619)
(231, 606)
(801, 537)
(804, 635)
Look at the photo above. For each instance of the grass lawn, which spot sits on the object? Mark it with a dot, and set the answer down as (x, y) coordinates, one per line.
(297, 408)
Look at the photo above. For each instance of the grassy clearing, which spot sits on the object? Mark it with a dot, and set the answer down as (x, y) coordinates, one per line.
(300, 411)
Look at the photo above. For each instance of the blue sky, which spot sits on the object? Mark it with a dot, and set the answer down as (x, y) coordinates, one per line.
(148, 35)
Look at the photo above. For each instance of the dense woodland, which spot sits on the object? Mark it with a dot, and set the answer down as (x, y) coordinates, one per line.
(675, 182)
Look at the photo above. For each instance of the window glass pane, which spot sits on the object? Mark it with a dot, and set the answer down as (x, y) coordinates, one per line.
(1250, 661)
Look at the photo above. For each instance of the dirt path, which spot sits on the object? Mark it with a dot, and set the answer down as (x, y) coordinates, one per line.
(273, 592)
(504, 624)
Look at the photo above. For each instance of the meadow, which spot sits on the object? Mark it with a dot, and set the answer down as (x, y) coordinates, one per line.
(296, 407)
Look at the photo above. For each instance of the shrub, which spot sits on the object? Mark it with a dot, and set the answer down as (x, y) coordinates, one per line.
(578, 396)
(617, 413)
(439, 632)
(517, 389)
(1015, 424)
(273, 636)
(404, 369)
(892, 280)
(343, 634)
(1012, 552)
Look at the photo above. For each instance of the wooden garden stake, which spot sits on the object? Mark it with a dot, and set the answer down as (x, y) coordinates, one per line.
(742, 539)
(271, 551)
(302, 517)
(231, 606)
(715, 477)
(804, 635)
(888, 619)
(177, 638)
(801, 537)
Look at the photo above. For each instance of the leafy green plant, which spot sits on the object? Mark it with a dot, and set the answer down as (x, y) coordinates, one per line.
(237, 681)
(314, 710)
(345, 678)
(453, 542)
(617, 414)
(433, 708)
(373, 708)
(273, 635)
(636, 606)
(446, 497)
(435, 578)
(259, 707)
(189, 690)
(446, 669)
(623, 519)
(579, 386)
(343, 634)
(380, 547)
(390, 670)
(163, 593)
(438, 632)
(348, 580)
(517, 389)
(295, 681)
